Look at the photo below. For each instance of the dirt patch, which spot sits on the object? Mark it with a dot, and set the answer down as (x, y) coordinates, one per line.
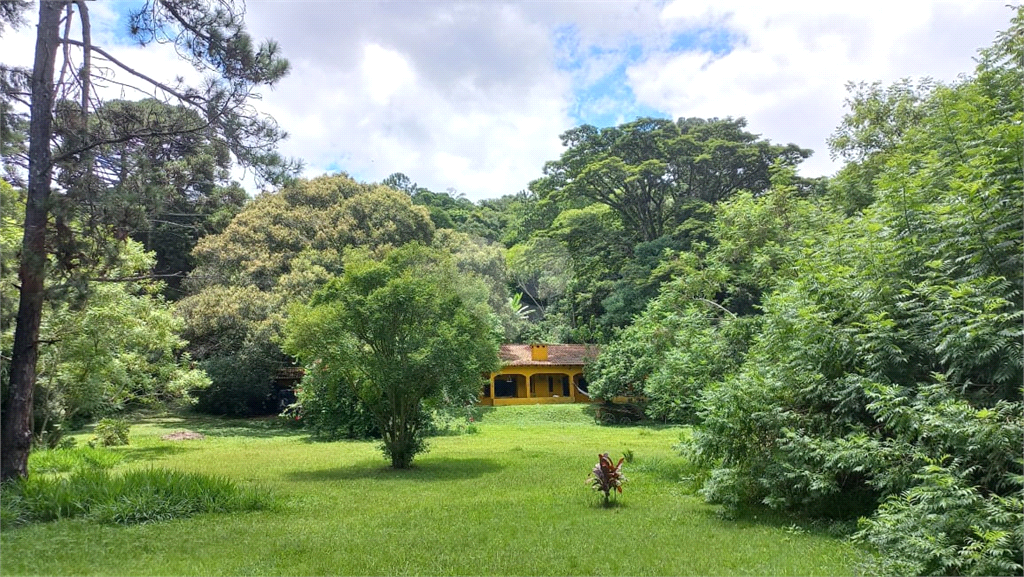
(183, 436)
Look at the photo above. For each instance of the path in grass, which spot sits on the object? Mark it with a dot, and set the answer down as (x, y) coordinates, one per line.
(510, 500)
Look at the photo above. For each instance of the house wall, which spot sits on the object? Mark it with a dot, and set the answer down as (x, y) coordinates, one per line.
(538, 375)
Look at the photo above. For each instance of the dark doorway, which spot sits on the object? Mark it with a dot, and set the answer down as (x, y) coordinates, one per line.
(505, 388)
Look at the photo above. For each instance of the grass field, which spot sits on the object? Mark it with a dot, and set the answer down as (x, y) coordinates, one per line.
(509, 500)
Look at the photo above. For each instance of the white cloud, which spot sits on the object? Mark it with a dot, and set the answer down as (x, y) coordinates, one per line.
(788, 75)
(385, 72)
(473, 96)
(455, 96)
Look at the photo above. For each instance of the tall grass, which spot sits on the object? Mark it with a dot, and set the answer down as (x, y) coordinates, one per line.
(70, 459)
(132, 497)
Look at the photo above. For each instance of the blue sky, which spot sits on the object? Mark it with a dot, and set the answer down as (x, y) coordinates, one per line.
(473, 96)
(606, 100)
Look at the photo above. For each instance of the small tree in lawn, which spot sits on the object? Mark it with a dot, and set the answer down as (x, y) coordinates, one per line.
(405, 333)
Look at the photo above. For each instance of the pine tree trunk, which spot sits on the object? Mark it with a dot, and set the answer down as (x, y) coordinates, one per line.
(17, 423)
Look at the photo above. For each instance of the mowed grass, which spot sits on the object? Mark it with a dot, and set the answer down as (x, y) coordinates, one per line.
(509, 500)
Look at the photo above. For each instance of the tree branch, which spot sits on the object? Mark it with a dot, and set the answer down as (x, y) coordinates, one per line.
(67, 50)
(83, 13)
(713, 303)
(190, 99)
(136, 278)
(153, 134)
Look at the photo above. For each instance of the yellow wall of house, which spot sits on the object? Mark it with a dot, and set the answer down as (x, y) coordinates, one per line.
(533, 401)
(540, 392)
(549, 385)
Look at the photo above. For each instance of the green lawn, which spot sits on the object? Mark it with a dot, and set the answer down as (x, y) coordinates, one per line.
(509, 500)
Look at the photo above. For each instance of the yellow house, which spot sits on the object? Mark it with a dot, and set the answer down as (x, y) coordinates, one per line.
(539, 374)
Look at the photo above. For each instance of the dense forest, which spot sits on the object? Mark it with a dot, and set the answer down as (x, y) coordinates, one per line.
(841, 348)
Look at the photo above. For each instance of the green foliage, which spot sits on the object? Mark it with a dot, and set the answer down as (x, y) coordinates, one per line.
(484, 260)
(879, 118)
(699, 328)
(945, 525)
(12, 213)
(628, 455)
(887, 378)
(231, 331)
(403, 334)
(452, 421)
(87, 368)
(619, 204)
(650, 170)
(165, 193)
(110, 433)
(90, 370)
(329, 409)
(447, 209)
(129, 498)
(607, 478)
(241, 383)
(280, 249)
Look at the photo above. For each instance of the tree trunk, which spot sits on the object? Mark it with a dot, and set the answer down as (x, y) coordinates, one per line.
(17, 426)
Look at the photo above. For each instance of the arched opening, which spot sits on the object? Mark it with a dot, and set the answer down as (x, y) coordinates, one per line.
(581, 386)
(507, 386)
(550, 385)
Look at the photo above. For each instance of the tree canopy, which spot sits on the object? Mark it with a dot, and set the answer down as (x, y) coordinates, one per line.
(66, 131)
(651, 170)
(402, 333)
(280, 249)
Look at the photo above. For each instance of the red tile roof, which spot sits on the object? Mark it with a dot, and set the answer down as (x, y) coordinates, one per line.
(521, 355)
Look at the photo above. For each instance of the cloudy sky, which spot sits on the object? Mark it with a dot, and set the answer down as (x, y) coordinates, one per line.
(473, 96)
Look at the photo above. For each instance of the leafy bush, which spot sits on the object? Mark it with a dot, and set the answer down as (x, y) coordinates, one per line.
(607, 478)
(242, 385)
(944, 525)
(887, 378)
(134, 497)
(677, 346)
(111, 433)
(451, 421)
(405, 334)
(330, 410)
(628, 455)
(112, 346)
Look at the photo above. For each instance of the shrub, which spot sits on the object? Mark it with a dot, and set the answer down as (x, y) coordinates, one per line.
(241, 385)
(133, 497)
(405, 334)
(111, 433)
(451, 421)
(945, 526)
(330, 410)
(607, 478)
(628, 455)
(886, 380)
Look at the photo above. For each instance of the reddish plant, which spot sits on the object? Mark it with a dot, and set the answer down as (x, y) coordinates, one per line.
(607, 477)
